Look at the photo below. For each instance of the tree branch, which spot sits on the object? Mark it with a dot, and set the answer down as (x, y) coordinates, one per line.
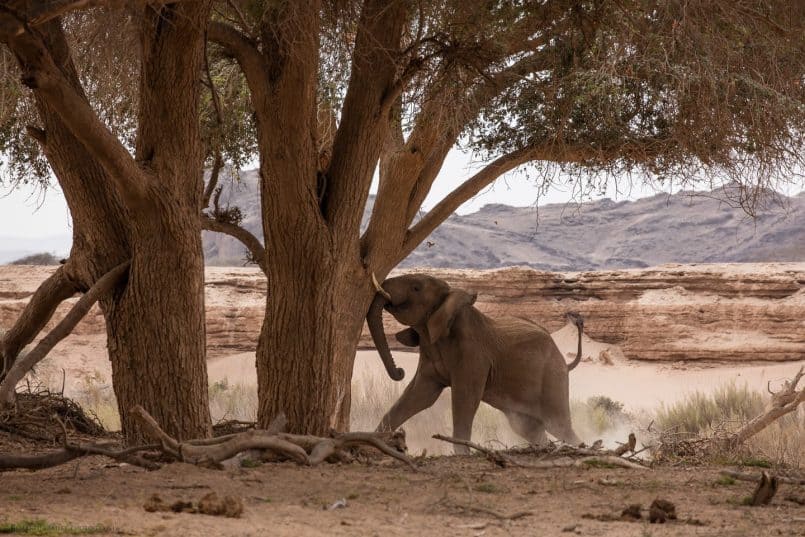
(243, 49)
(103, 286)
(52, 292)
(215, 173)
(361, 135)
(463, 193)
(252, 243)
(783, 402)
(41, 74)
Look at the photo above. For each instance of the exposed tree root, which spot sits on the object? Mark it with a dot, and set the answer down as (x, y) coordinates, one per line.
(304, 449)
(566, 455)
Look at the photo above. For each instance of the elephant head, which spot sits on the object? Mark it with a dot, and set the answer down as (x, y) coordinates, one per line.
(426, 304)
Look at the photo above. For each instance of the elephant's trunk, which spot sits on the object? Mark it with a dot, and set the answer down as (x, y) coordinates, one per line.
(374, 318)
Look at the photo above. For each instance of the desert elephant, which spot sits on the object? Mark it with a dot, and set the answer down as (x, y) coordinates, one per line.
(510, 363)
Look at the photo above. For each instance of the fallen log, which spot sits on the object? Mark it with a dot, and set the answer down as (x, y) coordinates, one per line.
(754, 478)
(782, 402)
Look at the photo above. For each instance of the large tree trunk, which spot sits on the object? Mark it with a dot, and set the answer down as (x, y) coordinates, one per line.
(155, 321)
(157, 333)
(315, 310)
(156, 330)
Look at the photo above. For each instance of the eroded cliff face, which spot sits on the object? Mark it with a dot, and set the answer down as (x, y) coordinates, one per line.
(741, 312)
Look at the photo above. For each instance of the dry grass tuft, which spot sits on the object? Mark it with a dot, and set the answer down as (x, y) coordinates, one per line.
(691, 429)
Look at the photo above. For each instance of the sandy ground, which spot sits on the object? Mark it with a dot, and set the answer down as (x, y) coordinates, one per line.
(639, 386)
(449, 496)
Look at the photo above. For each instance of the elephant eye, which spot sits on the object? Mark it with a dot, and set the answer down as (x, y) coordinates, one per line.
(417, 288)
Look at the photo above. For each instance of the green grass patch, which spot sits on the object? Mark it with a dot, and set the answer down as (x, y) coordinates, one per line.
(724, 481)
(702, 412)
(756, 462)
(595, 463)
(489, 488)
(43, 527)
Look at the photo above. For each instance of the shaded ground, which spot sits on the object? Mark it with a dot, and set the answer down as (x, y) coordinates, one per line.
(451, 496)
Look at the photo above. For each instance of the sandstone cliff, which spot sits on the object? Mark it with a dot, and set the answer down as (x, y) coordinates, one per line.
(740, 312)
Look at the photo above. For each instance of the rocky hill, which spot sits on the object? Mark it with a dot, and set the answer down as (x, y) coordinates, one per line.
(724, 312)
(600, 235)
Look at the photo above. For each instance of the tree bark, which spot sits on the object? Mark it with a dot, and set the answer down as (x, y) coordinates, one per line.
(148, 210)
(315, 308)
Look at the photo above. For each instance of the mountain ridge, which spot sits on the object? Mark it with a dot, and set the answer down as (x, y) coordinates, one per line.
(598, 235)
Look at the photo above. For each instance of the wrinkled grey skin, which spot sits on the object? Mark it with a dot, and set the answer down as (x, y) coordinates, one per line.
(512, 364)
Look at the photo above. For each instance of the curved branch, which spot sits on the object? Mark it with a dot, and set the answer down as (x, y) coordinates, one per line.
(41, 74)
(463, 193)
(252, 243)
(36, 314)
(104, 285)
(213, 181)
(244, 50)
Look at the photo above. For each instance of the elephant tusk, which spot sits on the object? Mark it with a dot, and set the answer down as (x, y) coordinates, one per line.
(379, 289)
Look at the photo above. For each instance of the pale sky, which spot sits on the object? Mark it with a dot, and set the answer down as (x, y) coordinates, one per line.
(32, 215)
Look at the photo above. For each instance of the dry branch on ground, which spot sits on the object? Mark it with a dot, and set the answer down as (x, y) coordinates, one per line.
(554, 456)
(783, 402)
(272, 442)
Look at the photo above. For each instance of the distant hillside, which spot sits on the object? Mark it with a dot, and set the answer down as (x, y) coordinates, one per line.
(679, 228)
(13, 248)
(43, 258)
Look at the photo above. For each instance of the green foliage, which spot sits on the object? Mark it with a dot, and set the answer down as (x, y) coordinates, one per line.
(756, 462)
(597, 415)
(37, 259)
(490, 488)
(724, 481)
(700, 412)
(43, 527)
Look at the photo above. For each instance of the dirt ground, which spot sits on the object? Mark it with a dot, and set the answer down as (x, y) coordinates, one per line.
(449, 496)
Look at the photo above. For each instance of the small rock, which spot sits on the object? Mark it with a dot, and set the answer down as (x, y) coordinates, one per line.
(154, 504)
(656, 515)
(667, 507)
(632, 512)
(227, 506)
(338, 504)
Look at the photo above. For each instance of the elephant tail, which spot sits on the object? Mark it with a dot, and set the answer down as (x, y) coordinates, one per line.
(576, 318)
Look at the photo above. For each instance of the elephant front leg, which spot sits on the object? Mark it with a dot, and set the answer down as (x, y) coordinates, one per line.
(420, 394)
(466, 397)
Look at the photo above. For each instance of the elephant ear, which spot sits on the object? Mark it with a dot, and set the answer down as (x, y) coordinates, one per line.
(408, 337)
(441, 320)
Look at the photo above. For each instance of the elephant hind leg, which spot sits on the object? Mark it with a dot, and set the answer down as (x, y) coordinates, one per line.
(563, 430)
(529, 427)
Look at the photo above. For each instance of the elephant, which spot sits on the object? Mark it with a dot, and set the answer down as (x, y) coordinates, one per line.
(510, 363)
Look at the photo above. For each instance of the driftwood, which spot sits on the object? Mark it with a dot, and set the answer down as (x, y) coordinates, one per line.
(498, 457)
(568, 456)
(304, 449)
(754, 478)
(295, 447)
(783, 402)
